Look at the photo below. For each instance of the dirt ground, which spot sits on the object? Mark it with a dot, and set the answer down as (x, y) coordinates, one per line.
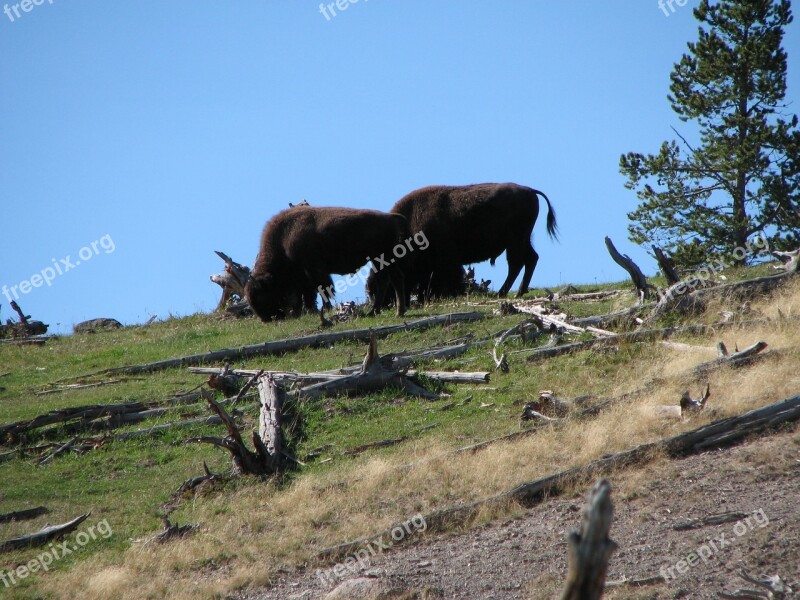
(526, 557)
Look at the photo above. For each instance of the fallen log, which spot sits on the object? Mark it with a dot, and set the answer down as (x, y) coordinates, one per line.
(23, 515)
(736, 359)
(158, 429)
(372, 376)
(677, 298)
(590, 548)
(402, 360)
(452, 377)
(619, 316)
(586, 296)
(79, 386)
(37, 341)
(292, 344)
(629, 337)
(84, 413)
(549, 321)
(41, 537)
(719, 519)
(308, 378)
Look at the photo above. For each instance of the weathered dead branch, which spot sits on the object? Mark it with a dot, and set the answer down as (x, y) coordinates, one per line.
(194, 482)
(173, 531)
(666, 265)
(791, 260)
(689, 405)
(41, 537)
(268, 458)
(24, 329)
(58, 451)
(232, 280)
(623, 260)
(590, 547)
(769, 588)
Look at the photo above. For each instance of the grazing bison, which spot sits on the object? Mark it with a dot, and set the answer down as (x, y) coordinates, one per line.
(471, 224)
(303, 245)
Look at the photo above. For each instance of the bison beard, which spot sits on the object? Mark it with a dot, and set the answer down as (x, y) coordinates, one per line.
(470, 224)
(302, 246)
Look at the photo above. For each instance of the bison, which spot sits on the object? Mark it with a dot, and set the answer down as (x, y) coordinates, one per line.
(303, 245)
(470, 224)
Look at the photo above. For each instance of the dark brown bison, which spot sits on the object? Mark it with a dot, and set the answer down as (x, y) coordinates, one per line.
(303, 245)
(470, 224)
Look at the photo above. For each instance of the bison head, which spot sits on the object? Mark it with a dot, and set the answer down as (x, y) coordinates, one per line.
(271, 300)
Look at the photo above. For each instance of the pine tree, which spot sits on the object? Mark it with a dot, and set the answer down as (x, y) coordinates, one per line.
(702, 201)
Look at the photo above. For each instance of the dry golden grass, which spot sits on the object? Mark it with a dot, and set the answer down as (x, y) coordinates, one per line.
(250, 532)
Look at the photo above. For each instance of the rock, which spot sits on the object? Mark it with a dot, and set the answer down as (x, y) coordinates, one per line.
(366, 588)
(93, 325)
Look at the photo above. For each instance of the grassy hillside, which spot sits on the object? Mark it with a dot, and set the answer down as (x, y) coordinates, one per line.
(250, 528)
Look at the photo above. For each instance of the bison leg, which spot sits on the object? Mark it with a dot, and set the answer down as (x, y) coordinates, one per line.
(399, 292)
(515, 264)
(379, 286)
(530, 267)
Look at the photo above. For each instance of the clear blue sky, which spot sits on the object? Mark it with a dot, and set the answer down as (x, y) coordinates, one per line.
(167, 130)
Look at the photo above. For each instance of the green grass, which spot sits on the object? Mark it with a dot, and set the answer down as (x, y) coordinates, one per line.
(127, 482)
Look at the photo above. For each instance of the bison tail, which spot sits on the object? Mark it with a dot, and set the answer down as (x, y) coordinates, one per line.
(552, 226)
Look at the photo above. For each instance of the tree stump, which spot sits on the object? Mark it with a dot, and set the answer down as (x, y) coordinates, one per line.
(590, 548)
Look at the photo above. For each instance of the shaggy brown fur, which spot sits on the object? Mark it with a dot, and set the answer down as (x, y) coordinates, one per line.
(303, 245)
(471, 224)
